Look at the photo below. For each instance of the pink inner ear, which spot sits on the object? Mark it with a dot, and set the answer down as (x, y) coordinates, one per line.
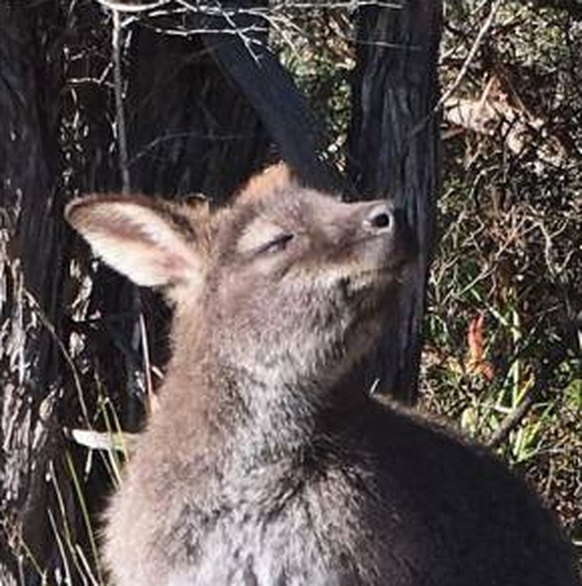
(175, 268)
(139, 240)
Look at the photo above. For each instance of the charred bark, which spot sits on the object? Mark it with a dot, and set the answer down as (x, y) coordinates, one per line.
(189, 129)
(272, 93)
(32, 252)
(394, 152)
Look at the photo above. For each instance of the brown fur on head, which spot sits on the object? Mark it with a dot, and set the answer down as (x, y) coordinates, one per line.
(275, 178)
(286, 282)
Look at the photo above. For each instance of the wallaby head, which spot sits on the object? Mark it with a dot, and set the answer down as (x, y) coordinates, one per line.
(285, 283)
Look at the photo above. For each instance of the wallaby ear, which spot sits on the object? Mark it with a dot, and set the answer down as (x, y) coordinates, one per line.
(278, 177)
(153, 243)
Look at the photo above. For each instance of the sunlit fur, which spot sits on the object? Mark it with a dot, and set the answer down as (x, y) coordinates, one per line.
(267, 464)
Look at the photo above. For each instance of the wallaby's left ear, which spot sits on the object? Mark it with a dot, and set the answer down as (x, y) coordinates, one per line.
(153, 243)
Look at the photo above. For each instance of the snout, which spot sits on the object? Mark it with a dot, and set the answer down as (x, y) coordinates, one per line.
(388, 222)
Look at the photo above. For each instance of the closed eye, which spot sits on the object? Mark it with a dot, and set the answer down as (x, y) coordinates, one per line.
(276, 244)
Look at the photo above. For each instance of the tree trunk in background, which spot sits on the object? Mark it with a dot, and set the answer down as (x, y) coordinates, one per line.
(189, 128)
(189, 131)
(32, 249)
(394, 152)
(271, 91)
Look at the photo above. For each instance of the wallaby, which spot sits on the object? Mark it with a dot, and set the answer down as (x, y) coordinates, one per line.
(262, 466)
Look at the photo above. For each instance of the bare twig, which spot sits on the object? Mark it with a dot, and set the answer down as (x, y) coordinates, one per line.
(119, 106)
(276, 15)
(514, 418)
(119, 6)
(472, 52)
(134, 7)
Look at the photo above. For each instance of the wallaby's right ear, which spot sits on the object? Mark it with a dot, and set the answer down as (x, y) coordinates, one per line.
(153, 243)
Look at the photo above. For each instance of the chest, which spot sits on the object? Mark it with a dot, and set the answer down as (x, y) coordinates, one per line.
(291, 528)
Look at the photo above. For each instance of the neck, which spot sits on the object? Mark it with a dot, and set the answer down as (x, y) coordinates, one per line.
(281, 418)
(256, 416)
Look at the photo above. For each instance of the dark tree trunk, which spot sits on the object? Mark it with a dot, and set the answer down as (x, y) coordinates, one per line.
(394, 152)
(32, 253)
(282, 108)
(189, 129)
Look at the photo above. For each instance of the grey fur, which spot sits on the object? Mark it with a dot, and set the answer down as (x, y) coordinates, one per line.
(264, 465)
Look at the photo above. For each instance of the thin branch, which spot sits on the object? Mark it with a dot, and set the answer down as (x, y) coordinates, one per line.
(131, 7)
(118, 7)
(513, 419)
(473, 51)
(119, 106)
(215, 8)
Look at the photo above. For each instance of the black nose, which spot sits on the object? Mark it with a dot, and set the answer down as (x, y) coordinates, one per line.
(380, 218)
